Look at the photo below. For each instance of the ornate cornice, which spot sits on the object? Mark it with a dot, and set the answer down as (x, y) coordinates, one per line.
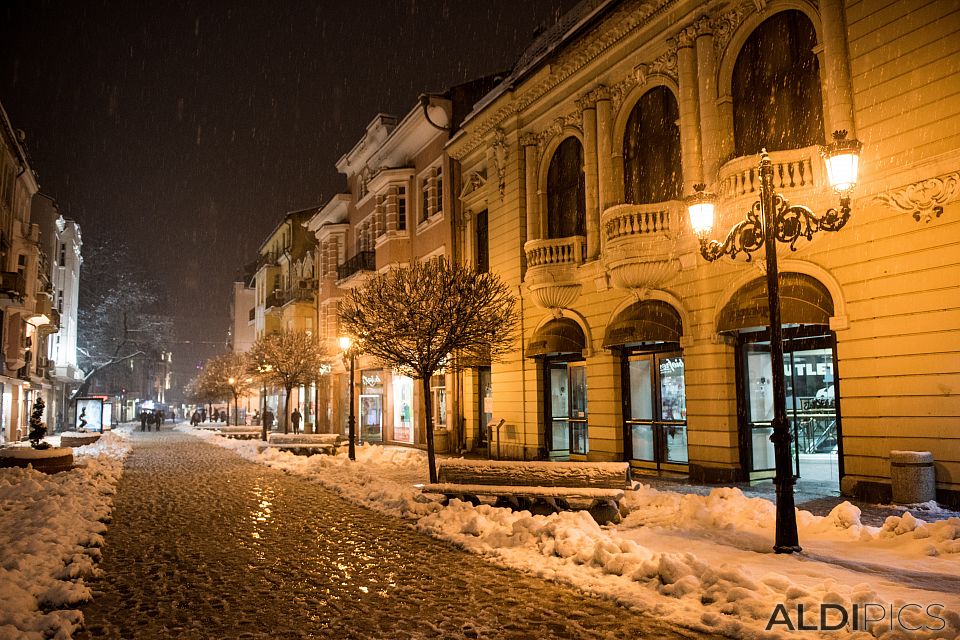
(923, 200)
(621, 22)
(665, 64)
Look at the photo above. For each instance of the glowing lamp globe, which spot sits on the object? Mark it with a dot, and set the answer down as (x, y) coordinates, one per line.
(700, 206)
(344, 343)
(842, 158)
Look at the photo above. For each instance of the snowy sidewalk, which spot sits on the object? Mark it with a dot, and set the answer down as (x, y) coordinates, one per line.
(702, 561)
(206, 545)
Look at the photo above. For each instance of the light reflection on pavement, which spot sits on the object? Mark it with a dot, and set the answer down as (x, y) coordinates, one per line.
(204, 544)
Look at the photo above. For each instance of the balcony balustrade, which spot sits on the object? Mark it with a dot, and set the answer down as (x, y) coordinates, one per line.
(640, 243)
(13, 284)
(556, 251)
(362, 261)
(792, 169)
(552, 266)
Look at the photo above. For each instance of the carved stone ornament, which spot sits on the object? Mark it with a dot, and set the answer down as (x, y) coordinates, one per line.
(474, 181)
(725, 24)
(923, 200)
(500, 153)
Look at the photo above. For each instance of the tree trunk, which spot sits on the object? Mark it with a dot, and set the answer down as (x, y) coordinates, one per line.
(428, 418)
(286, 411)
(236, 409)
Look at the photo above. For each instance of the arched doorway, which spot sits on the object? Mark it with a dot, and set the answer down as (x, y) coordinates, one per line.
(559, 345)
(654, 405)
(810, 378)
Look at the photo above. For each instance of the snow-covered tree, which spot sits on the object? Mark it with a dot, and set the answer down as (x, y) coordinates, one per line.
(229, 375)
(287, 359)
(37, 429)
(121, 315)
(428, 317)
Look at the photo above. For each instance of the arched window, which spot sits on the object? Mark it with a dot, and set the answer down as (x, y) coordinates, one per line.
(566, 202)
(651, 150)
(776, 87)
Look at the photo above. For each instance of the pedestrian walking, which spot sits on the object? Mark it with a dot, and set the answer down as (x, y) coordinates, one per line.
(216, 416)
(143, 420)
(158, 418)
(268, 418)
(195, 419)
(295, 418)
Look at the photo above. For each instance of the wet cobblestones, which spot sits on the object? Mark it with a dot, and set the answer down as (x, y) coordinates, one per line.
(204, 544)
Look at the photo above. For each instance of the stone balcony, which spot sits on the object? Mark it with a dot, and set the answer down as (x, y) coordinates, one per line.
(798, 175)
(552, 264)
(641, 243)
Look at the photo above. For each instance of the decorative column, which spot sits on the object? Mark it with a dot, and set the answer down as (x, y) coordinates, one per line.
(836, 70)
(590, 175)
(529, 143)
(690, 150)
(605, 161)
(710, 133)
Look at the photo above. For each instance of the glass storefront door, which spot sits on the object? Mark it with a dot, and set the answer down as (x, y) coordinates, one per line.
(810, 389)
(566, 409)
(655, 408)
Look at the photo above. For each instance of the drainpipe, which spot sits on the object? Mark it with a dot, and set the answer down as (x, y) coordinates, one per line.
(523, 373)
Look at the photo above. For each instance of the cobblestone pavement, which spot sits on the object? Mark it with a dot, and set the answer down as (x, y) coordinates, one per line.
(204, 544)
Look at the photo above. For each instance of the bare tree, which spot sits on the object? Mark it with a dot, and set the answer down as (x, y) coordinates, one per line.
(287, 359)
(428, 317)
(229, 375)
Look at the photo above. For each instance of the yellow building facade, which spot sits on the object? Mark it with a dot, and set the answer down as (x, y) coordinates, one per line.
(633, 347)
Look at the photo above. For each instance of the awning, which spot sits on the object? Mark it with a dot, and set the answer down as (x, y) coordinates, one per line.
(557, 336)
(803, 300)
(645, 321)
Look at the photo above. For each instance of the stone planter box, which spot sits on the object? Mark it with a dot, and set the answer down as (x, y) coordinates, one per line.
(74, 439)
(52, 460)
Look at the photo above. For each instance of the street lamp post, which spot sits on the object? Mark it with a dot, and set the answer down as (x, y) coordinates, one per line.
(233, 391)
(350, 355)
(770, 220)
(263, 370)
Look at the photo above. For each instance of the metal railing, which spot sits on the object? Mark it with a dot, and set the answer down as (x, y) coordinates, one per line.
(361, 261)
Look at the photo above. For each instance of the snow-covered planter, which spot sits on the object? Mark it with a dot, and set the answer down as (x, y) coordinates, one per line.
(77, 439)
(51, 460)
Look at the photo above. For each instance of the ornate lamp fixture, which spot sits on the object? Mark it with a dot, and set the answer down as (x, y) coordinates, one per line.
(773, 219)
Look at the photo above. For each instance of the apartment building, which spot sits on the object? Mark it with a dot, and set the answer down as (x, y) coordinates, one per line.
(401, 206)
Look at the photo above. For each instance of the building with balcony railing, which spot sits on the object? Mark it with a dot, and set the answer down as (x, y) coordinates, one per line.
(575, 169)
(57, 308)
(400, 207)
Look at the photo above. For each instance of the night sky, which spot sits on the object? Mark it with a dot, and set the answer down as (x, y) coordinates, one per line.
(187, 129)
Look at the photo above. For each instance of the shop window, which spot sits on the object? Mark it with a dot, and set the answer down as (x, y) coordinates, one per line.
(777, 103)
(402, 408)
(651, 150)
(438, 393)
(566, 201)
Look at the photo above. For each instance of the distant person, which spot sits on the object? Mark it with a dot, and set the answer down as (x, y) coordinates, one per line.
(158, 418)
(143, 420)
(203, 415)
(295, 419)
(216, 416)
(256, 417)
(195, 419)
(268, 418)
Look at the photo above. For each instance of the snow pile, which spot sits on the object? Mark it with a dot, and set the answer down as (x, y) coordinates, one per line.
(705, 562)
(50, 534)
